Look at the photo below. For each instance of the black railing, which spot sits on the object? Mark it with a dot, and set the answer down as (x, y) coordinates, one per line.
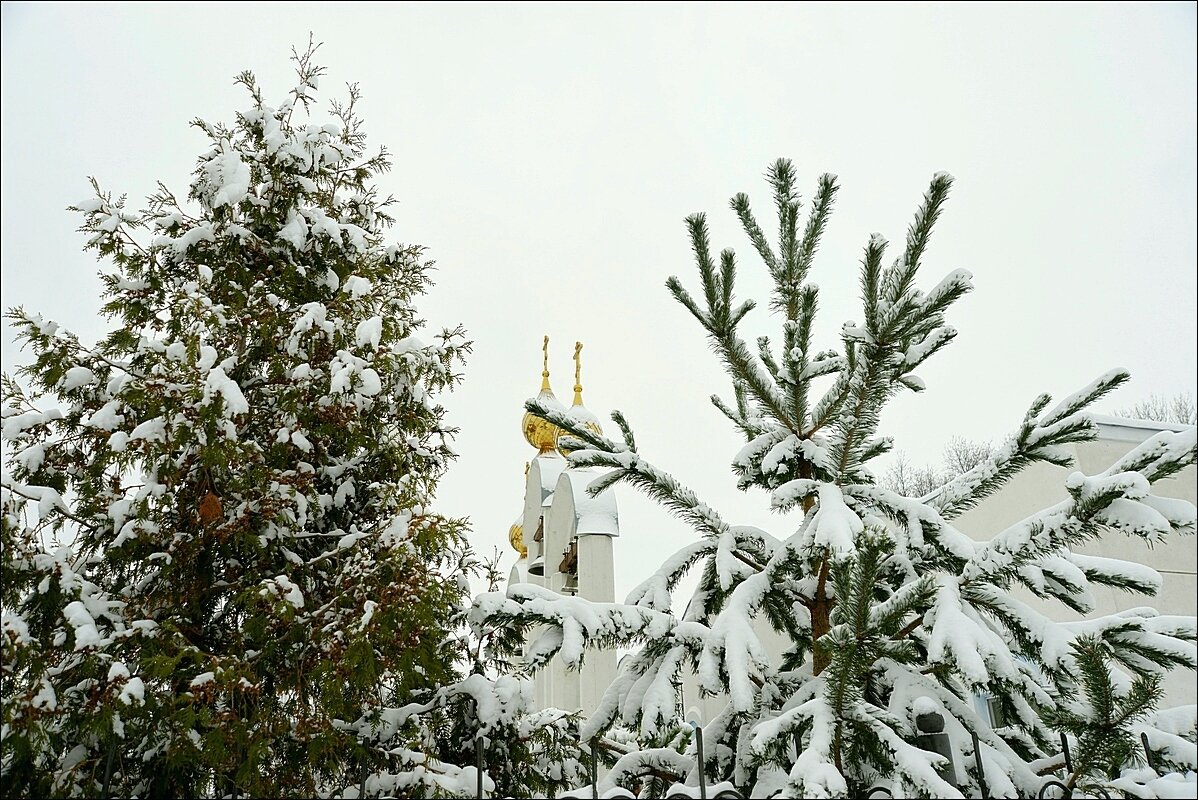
(977, 760)
(108, 767)
(1064, 791)
(876, 791)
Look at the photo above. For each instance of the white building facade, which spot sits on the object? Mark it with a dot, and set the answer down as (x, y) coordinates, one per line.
(1038, 487)
(1042, 485)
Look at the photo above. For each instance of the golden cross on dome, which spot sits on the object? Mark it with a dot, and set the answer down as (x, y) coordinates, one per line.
(578, 373)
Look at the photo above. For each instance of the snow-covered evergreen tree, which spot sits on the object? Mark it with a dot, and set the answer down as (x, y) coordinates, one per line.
(895, 619)
(217, 546)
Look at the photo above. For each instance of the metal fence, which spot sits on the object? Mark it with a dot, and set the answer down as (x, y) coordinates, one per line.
(1062, 790)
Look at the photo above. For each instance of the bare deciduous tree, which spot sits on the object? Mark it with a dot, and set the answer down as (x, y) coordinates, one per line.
(1178, 409)
(962, 455)
(914, 480)
(911, 480)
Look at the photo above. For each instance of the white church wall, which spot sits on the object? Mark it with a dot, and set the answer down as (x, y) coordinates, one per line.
(556, 502)
(1042, 485)
(596, 581)
(565, 686)
(1034, 489)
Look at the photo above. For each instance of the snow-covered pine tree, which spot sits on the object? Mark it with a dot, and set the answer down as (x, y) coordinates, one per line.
(893, 616)
(216, 538)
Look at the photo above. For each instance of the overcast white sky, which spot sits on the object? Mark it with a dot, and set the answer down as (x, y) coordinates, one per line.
(547, 155)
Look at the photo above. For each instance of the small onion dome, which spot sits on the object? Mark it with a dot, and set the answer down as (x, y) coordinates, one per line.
(515, 537)
(537, 432)
(578, 412)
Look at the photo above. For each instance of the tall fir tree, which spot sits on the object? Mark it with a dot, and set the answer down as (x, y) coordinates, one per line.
(895, 620)
(217, 543)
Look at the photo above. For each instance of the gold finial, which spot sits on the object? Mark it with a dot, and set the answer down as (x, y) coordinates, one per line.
(545, 365)
(578, 373)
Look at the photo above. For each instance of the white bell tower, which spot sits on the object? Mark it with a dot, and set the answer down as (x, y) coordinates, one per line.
(564, 537)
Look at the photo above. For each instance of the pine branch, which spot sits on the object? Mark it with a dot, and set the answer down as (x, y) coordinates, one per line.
(1037, 439)
(817, 220)
(720, 322)
(740, 204)
(631, 468)
(900, 277)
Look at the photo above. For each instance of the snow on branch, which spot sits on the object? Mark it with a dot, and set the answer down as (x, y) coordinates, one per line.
(580, 622)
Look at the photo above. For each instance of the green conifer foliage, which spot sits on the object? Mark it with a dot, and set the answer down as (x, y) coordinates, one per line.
(893, 619)
(1102, 717)
(217, 542)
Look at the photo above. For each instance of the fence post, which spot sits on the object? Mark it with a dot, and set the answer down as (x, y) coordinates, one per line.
(977, 760)
(1148, 752)
(478, 762)
(1065, 750)
(108, 767)
(362, 778)
(594, 771)
(699, 749)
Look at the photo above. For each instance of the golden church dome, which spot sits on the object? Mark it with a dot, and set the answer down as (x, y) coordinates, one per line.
(537, 432)
(515, 537)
